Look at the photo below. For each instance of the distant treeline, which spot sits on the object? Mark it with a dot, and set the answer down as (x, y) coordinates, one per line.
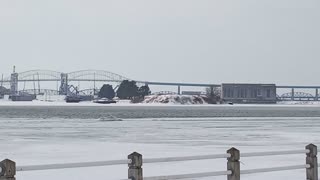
(126, 90)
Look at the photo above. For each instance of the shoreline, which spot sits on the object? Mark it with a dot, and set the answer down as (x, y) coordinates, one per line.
(126, 104)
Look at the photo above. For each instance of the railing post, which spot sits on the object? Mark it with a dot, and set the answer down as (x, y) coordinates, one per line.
(234, 164)
(135, 166)
(7, 170)
(312, 172)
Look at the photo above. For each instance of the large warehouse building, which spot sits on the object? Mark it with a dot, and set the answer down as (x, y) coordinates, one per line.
(249, 93)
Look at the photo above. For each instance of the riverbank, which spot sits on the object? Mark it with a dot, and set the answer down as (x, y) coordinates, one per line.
(128, 103)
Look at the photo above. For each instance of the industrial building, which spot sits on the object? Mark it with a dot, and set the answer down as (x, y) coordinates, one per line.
(249, 93)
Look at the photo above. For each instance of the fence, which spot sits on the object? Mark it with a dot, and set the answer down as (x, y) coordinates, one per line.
(8, 168)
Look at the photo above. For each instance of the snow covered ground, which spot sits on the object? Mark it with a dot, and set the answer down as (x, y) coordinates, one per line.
(174, 99)
(156, 103)
(35, 139)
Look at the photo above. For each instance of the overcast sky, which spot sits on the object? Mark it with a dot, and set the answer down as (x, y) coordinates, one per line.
(205, 41)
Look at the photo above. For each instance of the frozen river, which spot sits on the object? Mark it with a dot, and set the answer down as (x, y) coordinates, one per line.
(42, 135)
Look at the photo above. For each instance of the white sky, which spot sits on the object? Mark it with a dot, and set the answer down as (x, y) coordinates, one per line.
(204, 41)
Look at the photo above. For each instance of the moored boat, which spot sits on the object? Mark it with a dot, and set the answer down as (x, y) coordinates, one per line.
(73, 99)
(104, 101)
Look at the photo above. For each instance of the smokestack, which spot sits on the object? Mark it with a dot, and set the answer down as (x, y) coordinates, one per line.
(14, 69)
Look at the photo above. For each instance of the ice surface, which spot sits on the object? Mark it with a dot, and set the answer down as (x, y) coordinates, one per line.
(33, 140)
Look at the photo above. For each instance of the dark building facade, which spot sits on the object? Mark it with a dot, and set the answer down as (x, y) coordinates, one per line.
(249, 93)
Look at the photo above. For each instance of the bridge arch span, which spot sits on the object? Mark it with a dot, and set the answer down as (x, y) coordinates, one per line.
(39, 74)
(297, 95)
(95, 75)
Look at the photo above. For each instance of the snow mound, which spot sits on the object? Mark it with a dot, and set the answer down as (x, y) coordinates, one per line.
(174, 99)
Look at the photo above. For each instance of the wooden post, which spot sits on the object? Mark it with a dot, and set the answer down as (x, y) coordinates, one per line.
(234, 164)
(7, 170)
(135, 166)
(312, 172)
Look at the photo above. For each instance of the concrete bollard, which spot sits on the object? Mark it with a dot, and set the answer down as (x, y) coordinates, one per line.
(7, 170)
(312, 172)
(135, 166)
(234, 164)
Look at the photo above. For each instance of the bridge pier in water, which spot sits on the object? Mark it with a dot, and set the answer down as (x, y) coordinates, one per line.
(179, 90)
(317, 95)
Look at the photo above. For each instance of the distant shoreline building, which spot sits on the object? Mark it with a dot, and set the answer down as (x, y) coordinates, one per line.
(249, 93)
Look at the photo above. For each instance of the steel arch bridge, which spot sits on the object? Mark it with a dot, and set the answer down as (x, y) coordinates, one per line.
(297, 96)
(95, 75)
(39, 75)
(83, 75)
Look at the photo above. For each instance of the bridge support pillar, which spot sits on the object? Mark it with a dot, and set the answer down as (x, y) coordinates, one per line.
(14, 83)
(63, 84)
(317, 95)
(179, 90)
(292, 94)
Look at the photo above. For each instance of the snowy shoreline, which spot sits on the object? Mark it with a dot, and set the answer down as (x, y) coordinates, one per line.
(126, 103)
(149, 101)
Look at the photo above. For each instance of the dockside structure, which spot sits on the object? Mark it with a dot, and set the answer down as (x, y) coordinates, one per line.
(249, 93)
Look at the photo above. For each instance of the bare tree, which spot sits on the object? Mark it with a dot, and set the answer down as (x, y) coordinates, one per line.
(213, 94)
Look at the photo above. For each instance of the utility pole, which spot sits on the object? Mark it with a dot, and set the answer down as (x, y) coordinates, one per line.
(94, 84)
(1, 87)
(2, 80)
(38, 84)
(34, 86)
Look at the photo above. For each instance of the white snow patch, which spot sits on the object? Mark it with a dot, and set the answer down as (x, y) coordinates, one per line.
(299, 103)
(174, 99)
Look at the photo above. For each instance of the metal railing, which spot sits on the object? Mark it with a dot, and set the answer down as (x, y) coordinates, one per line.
(135, 161)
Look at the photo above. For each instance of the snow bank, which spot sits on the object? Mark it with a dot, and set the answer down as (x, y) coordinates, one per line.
(174, 99)
(299, 103)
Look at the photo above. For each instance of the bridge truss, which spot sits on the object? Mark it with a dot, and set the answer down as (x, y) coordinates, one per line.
(297, 96)
(65, 79)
